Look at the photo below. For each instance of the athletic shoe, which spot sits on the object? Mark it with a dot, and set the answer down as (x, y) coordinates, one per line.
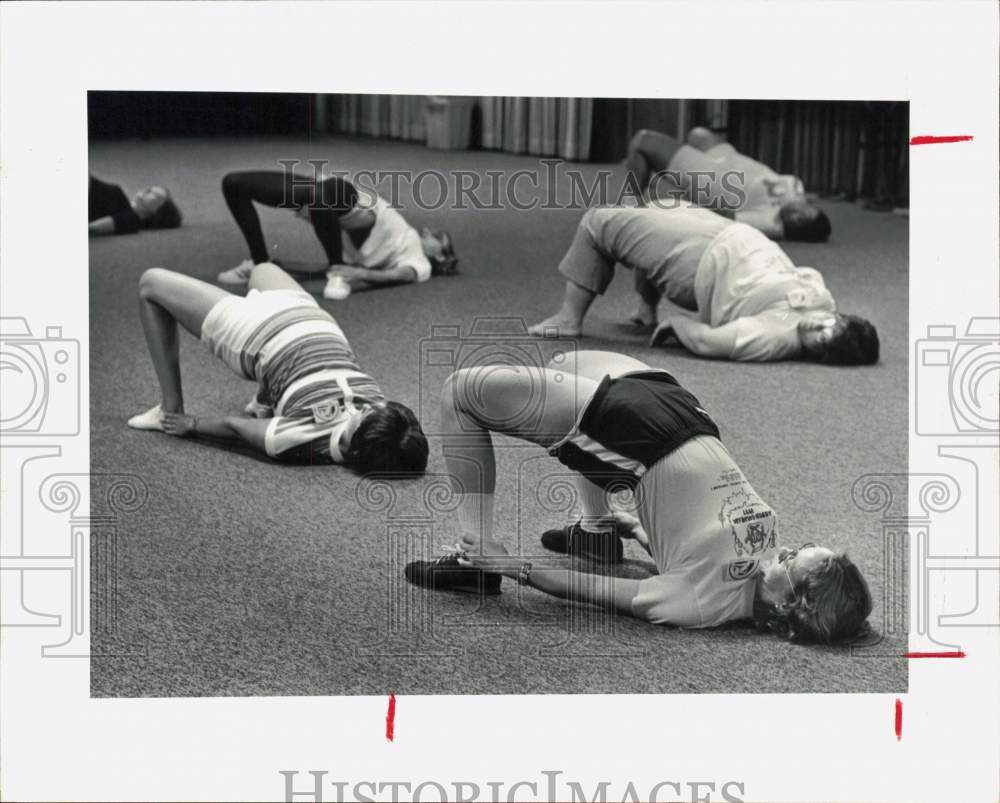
(147, 420)
(238, 275)
(577, 542)
(446, 574)
(337, 288)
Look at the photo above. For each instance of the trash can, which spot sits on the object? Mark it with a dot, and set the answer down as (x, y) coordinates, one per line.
(448, 121)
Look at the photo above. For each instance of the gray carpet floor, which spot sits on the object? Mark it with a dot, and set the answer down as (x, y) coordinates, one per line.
(243, 577)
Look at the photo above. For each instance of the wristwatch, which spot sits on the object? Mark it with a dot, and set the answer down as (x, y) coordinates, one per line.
(524, 574)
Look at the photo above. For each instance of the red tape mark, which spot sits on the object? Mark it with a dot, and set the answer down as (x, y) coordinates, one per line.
(899, 719)
(927, 140)
(390, 718)
(956, 654)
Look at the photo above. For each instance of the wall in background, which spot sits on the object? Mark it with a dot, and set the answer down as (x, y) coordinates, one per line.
(852, 148)
(857, 149)
(173, 114)
(538, 126)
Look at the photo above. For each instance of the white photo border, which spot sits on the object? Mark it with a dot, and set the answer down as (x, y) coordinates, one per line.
(58, 743)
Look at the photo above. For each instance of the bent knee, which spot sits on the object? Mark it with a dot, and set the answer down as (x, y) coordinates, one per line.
(151, 280)
(696, 133)
(230, 183)
(702, 138)
(598, 214)
(642, 138)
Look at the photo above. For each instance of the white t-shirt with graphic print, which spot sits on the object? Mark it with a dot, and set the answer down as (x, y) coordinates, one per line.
(709, 533)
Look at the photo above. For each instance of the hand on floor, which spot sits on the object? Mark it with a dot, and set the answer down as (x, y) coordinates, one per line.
(493, 564)
(629, 526)
(488, 555)
(178, 424)
(347, 272)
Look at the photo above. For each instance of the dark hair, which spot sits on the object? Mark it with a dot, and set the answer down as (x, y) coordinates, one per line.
(166, 216)
(447, 263)
(831, 606)
(388, 439)
(805, 223)
(856, 344)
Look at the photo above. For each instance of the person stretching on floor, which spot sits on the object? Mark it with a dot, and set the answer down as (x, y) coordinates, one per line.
(313, 403)
(735, 294)
(710, 172)
(367, 243)
(110, 210)
(619, 424)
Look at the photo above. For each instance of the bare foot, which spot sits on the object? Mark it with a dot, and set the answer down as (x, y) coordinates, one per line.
(644, 316)
(147, 420)
(662, 334)
(556, 326)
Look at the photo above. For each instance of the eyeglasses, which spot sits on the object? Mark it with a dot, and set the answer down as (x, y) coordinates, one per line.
(788, 556)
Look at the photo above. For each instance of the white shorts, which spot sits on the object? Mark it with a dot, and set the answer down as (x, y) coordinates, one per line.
(233, 320)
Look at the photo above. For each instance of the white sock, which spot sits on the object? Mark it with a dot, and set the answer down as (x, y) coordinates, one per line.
(592, 501)
(147, 420)
(475, 515)
(336, 288)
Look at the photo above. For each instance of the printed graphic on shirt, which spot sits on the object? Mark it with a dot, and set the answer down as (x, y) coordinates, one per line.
(728, 479)
(750, 520)
(327, 412)
(739, 570)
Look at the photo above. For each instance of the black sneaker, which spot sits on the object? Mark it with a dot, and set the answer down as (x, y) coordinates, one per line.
(577, 542)
(446, 574)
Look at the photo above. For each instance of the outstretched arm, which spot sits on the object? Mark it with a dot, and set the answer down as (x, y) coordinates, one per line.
(401, 274)
(593, 589)
(697, 337)
(229, 428)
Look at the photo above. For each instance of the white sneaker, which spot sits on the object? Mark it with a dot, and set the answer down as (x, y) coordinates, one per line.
(238, 275)
(147, 420)
(337, 288)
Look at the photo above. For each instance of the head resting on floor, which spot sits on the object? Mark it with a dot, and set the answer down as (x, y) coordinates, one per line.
(812, 594)
(833, 338)
(803, 222)
(156, 208)
(389, 439)
(440, 250)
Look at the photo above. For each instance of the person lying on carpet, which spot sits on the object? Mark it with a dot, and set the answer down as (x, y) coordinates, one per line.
(313, 403)
(368, 244)
(620, 424)
(710, 172)
(110, 210)
(734, 294)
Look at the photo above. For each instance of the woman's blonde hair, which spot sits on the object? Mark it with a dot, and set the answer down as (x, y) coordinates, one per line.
(831, 606)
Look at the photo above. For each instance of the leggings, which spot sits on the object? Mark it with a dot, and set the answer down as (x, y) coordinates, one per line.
(326, 200)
